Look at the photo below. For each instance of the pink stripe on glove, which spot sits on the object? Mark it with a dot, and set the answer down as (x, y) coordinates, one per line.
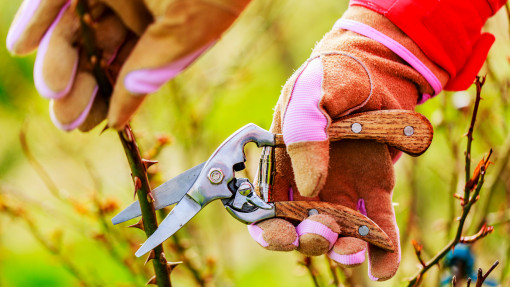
(257, 234)
(79, 120)
(314, 227)
(348, 259)
(148, 81)
(304, 121)
(39, 82)
(26, 13)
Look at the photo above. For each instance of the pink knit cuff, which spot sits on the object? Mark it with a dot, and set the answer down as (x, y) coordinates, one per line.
(310, 226)
(303, 120)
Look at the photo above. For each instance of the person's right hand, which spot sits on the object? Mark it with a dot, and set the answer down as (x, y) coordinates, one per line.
(144, 44)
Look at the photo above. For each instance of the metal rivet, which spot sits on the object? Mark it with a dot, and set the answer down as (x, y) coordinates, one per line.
(312, 211)
(356, 128)
(363, 230)
(215, 176)
(409, 131)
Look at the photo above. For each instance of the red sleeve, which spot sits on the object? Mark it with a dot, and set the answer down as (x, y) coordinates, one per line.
(448, 31)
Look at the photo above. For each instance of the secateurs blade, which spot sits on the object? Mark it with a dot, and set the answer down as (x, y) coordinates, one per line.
(193, 189)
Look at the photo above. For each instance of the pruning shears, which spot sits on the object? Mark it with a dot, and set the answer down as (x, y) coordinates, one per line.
(215, 179)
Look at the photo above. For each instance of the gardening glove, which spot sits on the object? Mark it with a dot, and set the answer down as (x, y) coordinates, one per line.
(143, 43)
(364, 63)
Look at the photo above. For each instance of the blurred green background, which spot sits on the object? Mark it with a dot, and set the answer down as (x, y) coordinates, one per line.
(68, 241)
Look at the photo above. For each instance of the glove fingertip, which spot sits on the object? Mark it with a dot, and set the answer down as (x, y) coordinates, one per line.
(122, 107)
(55, 70)
(310, 162)
(71, 112)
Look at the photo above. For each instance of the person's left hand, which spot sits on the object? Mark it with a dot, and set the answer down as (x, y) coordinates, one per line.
(143, 44)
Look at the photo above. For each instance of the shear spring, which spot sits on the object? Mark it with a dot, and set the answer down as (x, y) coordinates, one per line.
(266, 173)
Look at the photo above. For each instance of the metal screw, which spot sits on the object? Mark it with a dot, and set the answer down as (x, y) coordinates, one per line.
(409, 131)
(215, 175)
(356, 128)
(363, 230)
(312, 211)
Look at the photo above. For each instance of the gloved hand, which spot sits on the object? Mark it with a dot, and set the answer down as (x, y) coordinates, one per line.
(144, 44)
(364, 63)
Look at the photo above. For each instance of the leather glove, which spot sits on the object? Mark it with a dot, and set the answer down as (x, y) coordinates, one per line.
(346, 73)
(144, 44)
(379, 55)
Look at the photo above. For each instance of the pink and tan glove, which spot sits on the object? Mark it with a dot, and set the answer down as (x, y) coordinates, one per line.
(364, 63)
(145, 44)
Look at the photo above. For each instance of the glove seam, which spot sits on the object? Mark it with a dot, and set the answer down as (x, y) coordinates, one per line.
(370, 80)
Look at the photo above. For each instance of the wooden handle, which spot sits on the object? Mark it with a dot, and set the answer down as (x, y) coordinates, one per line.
(352, 223)
(404, 130)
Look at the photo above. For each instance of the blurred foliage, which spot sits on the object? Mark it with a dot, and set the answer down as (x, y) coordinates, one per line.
(62, 236)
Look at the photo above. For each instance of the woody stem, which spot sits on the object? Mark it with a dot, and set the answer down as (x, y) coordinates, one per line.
(126, 136)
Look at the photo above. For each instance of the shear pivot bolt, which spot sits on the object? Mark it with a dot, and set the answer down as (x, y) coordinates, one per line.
(356, 128)
(363, 230)
(408, 131)
(215, 175)
(245, 189)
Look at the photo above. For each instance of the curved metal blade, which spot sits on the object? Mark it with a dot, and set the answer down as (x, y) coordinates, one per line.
(166, 194)
(180, 215)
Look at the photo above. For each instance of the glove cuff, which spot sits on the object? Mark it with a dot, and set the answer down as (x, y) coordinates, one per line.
(377, 27)
(448, 32)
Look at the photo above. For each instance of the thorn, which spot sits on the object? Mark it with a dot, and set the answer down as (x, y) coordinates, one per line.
(87, 19)
(104, 129)
(152, 255)
(150, 198)
(152, 281)
(459, 197)
(162, 258)
(103, 64)
(127, 134)
(171, 265)
(148, 163)
(138, 185)
(138, 225)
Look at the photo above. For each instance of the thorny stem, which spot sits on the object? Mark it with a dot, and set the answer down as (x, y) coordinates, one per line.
(468, 201)
(143, 192)
(479, 83)
(138, 169)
